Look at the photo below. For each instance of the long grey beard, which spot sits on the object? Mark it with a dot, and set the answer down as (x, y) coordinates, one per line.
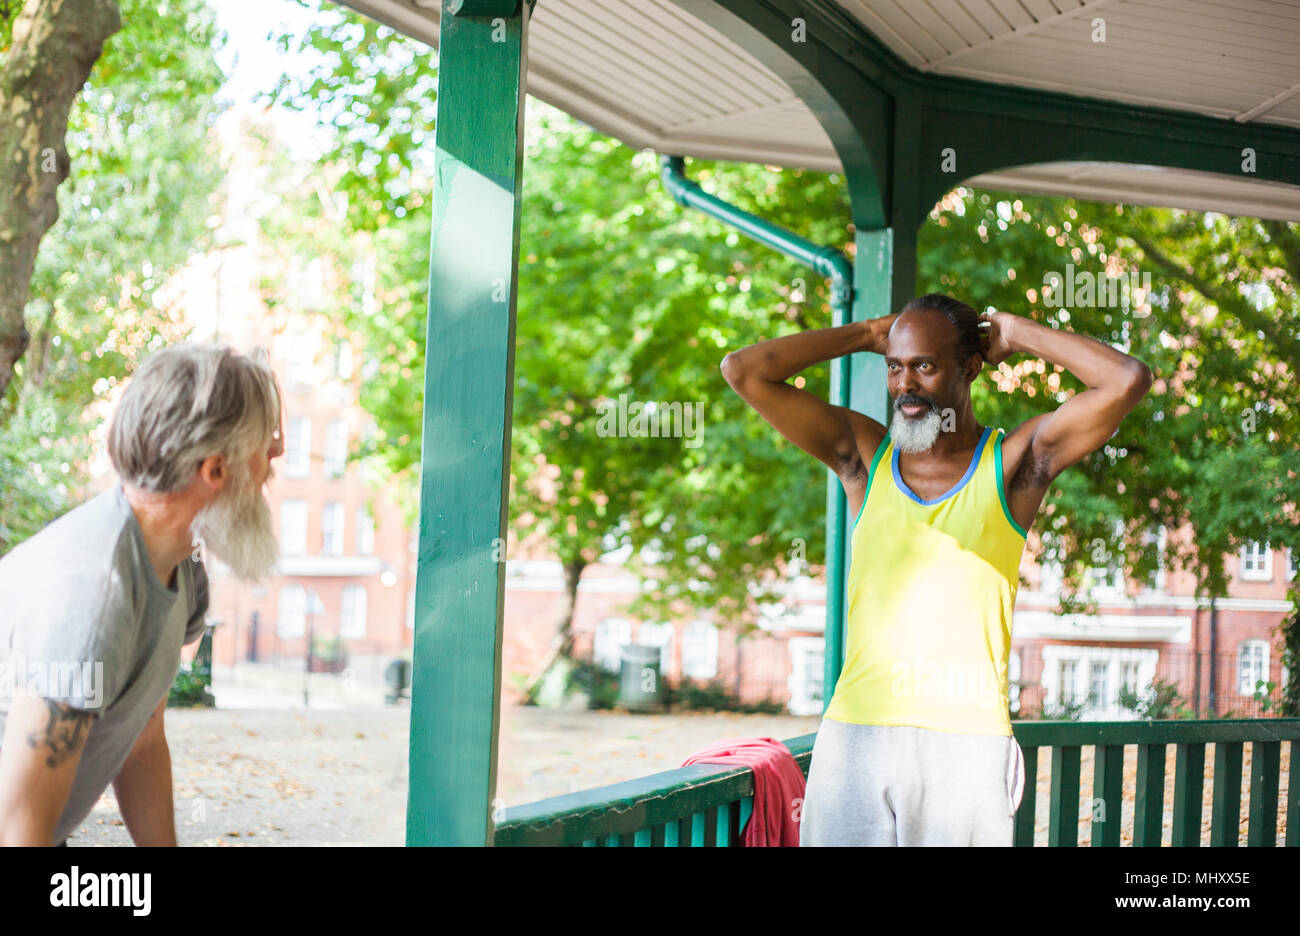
(237, 528)
(914, 435)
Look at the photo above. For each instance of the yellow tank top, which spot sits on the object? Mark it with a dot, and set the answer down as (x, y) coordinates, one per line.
(931, 588)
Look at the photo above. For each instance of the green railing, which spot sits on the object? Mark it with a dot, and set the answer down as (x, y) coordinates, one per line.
(708, 805)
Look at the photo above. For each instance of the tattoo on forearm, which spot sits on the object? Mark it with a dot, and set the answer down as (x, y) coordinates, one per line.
(64, 733)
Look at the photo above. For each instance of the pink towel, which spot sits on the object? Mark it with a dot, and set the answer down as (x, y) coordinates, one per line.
(778, 787)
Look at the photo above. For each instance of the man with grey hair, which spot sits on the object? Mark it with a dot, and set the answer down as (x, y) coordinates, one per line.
(98, 604)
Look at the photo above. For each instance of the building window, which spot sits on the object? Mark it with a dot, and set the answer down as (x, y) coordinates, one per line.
(1161, 538)
(1256, 562)
(410, 610)
(297, 447)
(1252, 665)
(1107, 670)
(293, 527)
(612, 634)
(365, 532)
(352, 620)
(1290, 564)
(302, 363)
(807, 675)
(331, 526)
(1067, 692)
(1099, 684)
(292, 617)
(343, 359)
(700, 650)
(661, 636)
(336, 448)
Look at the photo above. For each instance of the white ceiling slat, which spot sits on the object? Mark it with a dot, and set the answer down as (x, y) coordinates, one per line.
(1014, 12)
(955, 14)
(1070, 58)
(750, 84)
(637, 65)
(1222, 36)
(895, 14)
(929, 19)
(1187, 90)
(665, 57)
(1092, 6)
(652, 75)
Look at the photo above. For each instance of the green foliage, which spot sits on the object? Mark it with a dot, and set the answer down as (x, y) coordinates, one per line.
(1221, 336)
(1159, 700)
(621, 291)
(1288, 706)
(133, 210)
(191, 689)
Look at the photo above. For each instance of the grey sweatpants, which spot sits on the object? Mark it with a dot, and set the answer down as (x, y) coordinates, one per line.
(892, 785)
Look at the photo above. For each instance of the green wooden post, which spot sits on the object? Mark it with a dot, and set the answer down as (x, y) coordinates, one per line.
(1149, 797)
(1225, 807)
(468, 395)
(1189, 787)
(1108, 790)
(1063, 822)
(1265, 765)
(1024, 835)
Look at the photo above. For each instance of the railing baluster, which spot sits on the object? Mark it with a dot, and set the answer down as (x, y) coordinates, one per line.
(734, 823)
(1063, 826)
(711, 827)
(1293, 798)
(588, 843)
(746, 810)
(1028, 800)
(673, 834)
(1265, 763)
(611, 841)
(658, 835)
(697, 830)
(724, 839)
(641, 838)
(1108, 787)
(1149, 798)
(1225, 813)
(1189, 789)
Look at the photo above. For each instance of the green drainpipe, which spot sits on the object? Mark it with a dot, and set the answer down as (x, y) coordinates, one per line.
(830, 263)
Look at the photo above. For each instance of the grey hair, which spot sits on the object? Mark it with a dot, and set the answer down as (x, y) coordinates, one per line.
(188, 402)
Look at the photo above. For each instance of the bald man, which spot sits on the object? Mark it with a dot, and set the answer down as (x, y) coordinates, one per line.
(916, 747)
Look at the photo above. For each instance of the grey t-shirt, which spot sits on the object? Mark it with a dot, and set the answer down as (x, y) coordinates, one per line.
(85, 620)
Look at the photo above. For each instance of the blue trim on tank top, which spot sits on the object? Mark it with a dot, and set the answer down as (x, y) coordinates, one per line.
(970, 471)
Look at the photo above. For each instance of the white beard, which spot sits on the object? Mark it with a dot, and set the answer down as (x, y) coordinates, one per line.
(914, 435)
(236, 526)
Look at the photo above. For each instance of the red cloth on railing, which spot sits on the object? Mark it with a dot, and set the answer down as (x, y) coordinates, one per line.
(778, 787)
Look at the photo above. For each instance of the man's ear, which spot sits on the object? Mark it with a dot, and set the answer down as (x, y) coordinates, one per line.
(214, 471)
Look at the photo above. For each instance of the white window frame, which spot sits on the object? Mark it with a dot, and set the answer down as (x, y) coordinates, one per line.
(291, 612)
(336, 448)
(806, 696)
(1258, 649)
(660, 634)
(700, 650)
(293, 527)
(297, 447)
(1290, 564)
(1083, 658)
(612, 635)
(332, 529)
(302, 363)
(1255, 562)
(352, 613)
(365, 532)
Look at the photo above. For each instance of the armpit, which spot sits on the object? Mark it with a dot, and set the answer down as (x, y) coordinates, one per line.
(1033, 473)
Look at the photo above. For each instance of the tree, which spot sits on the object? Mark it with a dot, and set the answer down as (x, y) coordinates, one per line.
(48, 53)
(136, 208)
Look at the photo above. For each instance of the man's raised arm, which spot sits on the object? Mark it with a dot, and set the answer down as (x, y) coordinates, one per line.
(1116, 383)
(827, 432)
